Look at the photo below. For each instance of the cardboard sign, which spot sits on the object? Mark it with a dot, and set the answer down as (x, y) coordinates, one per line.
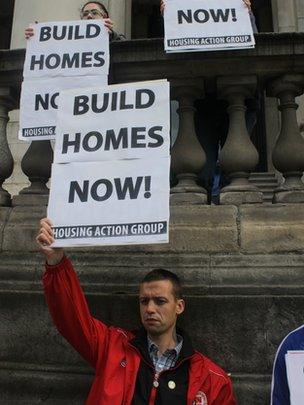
(39, 104)
(196, 25)
(295, 375)
(124, 121)
(110, 203)
(110, 180)
(69, 48)
(60, 55)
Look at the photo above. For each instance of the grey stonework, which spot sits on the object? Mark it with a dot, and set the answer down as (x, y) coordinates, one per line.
(243, 274)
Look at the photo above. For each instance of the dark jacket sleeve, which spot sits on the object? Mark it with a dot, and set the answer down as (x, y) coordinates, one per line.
(114, 36)
(225, 396)
(70, 312)
(280, 394)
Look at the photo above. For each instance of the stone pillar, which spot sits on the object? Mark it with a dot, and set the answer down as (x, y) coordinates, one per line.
(36, 164)
(6, 158)
(239, 156)
(29, 11)
(288, 154)
(300, 15)
(284, 15)
(120, 12)
(187, 157)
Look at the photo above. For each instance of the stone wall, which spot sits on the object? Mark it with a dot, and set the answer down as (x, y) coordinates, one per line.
(242, 270)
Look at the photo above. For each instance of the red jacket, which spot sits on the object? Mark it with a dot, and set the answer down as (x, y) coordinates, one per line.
(108, 349)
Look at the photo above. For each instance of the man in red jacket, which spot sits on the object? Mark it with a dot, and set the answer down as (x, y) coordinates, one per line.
(156, 365)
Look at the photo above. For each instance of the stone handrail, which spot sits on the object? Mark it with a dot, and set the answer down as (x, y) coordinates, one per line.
(276, 65)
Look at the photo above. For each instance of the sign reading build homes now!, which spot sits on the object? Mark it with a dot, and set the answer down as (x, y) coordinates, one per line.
(60, 55)
(207, 25)
(69, 48)
(110, 177)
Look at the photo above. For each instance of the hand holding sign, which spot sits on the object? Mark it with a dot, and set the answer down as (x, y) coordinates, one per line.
(59, 56)
(114, 143)
(44, 239)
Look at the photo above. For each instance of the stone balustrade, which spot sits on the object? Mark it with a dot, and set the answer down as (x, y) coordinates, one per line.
(275, 65)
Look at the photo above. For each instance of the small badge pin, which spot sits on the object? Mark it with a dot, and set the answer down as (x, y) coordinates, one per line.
(171, 385)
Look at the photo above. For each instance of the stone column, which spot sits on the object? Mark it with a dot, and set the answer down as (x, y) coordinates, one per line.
(36, 165)
(288, 154)
(300, 15)
(187, 157)
(284, 15)
(120, 12)
(6, 158)
(239, 156)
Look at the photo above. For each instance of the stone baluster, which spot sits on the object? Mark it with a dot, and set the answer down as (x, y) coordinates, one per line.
(36, 164)
(288, 153)
(238, 156)
(187, 157)
(6, 159)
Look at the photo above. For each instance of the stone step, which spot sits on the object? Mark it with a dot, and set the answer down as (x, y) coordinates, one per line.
(266, 182)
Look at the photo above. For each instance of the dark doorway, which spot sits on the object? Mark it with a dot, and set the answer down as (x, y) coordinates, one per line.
(147, 21)
(263, 14)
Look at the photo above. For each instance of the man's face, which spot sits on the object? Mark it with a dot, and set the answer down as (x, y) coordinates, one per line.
(159, 307)
(93, 11)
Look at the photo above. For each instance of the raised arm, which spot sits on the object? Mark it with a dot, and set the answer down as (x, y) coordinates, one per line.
(66, 301)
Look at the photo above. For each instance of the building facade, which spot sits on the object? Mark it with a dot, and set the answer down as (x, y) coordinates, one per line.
(241, 261)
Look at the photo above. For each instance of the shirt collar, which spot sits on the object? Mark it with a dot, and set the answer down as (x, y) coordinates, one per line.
(153, 348)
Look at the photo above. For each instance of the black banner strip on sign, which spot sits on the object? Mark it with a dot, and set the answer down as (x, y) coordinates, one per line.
(38, 131)
(110, 230)
(236, 39)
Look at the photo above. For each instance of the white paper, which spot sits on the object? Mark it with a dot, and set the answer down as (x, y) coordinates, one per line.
(82, 51)
(196, 25)
(295, 375)
(39, 102)
(120, 131)
(120, 217)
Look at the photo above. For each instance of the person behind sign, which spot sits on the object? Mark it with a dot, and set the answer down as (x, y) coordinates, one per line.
(91, 10)
(280, 394)
(247, 3)
(130, 367)
(212, 123)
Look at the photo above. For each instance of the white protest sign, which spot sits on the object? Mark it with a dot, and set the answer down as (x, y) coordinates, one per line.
(110, 203)
(122, 121)
(39, 104)
(206, 25)
(69, 48)
(295, 375)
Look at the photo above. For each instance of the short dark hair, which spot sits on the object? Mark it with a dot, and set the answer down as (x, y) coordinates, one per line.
(163, 274)
(103, 7)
